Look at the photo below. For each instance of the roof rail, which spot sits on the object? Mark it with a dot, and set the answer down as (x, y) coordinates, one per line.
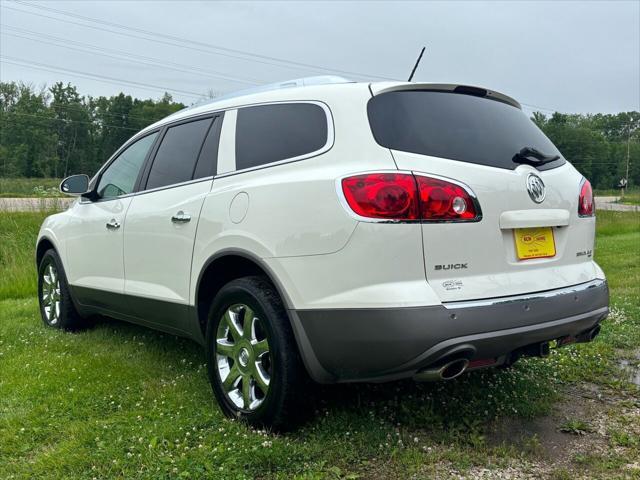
(297, 82)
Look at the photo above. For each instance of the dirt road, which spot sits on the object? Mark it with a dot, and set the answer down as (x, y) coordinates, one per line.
(34, 204)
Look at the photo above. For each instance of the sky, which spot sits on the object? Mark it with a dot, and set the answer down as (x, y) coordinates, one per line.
(574, 57)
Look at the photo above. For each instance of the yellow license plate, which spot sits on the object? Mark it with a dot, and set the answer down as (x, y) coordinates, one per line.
(534, 243)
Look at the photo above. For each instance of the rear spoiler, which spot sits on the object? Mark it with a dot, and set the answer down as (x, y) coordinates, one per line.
(384, 87)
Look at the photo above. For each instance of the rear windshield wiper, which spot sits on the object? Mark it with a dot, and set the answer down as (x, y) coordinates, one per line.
(533, 156)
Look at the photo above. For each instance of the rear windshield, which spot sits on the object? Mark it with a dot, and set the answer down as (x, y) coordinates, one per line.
(456, 126)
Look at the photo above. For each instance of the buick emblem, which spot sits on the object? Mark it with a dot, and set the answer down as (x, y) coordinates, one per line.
(535, 187)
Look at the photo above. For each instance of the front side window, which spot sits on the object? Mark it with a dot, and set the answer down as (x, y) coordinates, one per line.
(272, 133)
(176, 158)
(120, 177)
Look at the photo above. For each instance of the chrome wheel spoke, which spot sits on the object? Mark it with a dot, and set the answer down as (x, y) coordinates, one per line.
(224, 347)
(261, 377)
(53, 274)
(260, 347)
(231, 319)
(246, 391)
(230, 382)
(248, 324)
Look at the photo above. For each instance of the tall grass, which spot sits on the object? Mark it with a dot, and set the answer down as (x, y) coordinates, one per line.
(18, 233)
(29, 187)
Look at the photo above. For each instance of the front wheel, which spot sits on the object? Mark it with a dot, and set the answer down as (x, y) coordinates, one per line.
(56, 306)
(253, 362)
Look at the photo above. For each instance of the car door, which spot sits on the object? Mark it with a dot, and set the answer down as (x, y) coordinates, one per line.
(162, 220)
(95, 232)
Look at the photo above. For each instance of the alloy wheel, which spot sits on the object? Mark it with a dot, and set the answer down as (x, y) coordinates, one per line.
(50, 295)
(243, 357)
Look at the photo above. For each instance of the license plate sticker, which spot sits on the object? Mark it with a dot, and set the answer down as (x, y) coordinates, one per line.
(534, 243)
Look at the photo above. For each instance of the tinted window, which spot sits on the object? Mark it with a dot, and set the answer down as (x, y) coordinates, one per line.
(176, 157)
(120, 177)
(456, 126)
(208, 159)
(270, 133)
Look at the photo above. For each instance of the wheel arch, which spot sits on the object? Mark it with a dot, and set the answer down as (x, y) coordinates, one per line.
(44, 244)
(223, 267)
(236, 263)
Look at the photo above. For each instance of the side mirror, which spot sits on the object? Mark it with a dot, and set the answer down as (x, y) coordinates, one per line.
(75, 185)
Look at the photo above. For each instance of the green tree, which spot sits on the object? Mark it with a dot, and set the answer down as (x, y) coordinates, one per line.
(26, 135)
(73, 128)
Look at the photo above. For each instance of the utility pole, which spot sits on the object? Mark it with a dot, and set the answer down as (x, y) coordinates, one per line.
(626, 176)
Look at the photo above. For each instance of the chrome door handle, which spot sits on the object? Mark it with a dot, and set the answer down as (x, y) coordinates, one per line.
(181, 217)
(113, 224)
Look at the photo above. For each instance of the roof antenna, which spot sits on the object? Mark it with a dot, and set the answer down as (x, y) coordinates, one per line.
(416, 65)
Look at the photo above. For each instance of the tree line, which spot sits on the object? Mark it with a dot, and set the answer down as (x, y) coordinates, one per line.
(55, 132)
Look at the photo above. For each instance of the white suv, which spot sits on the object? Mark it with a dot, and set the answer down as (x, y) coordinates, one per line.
(334, 230)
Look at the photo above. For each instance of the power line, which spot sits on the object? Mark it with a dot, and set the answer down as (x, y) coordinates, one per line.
(84, 105)
(210, 46)
(199, 46)
(51, 119)
(87, 108)
(63, 42)
(102, 78)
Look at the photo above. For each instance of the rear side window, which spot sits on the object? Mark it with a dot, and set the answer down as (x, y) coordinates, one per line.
(271, 133)
(176, 157)
(456, 126)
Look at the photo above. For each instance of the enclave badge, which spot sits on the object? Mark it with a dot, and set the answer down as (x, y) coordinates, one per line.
(535, 187)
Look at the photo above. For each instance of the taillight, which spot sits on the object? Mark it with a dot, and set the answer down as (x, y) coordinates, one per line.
(585, 200)
(390, 196)
(442, 200)
(408, 197)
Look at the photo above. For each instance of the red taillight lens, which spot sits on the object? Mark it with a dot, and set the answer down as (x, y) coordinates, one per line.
(403, 196)
(585, 200)
(442, 200)
(382, 195)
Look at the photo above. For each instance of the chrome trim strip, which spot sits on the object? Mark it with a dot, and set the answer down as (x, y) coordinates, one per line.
(157, 189)
(525, 297)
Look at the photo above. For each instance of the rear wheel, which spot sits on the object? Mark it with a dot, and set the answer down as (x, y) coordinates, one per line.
(56, 306)
(254, 366)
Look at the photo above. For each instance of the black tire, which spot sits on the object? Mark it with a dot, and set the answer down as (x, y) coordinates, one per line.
(282, 407)
(65, 317)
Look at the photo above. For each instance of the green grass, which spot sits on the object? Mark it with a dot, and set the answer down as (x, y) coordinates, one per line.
(121, 401)
(18, 232)
(631, 195)
(29, 187)
(631, 198)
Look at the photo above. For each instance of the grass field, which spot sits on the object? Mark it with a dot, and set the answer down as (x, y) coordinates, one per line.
(29, 187)
(631, 196)
(121, 401)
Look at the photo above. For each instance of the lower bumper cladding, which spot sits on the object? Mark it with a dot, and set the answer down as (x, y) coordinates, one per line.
(344, 345)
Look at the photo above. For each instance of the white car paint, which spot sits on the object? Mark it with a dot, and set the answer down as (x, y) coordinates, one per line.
(296, 224)
(92, 252)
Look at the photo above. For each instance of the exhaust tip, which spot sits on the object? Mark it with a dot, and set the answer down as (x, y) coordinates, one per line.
(445, 371)
(594, 333)
(454, 369)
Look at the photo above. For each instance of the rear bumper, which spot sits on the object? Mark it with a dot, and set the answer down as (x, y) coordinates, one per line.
(344, 345)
